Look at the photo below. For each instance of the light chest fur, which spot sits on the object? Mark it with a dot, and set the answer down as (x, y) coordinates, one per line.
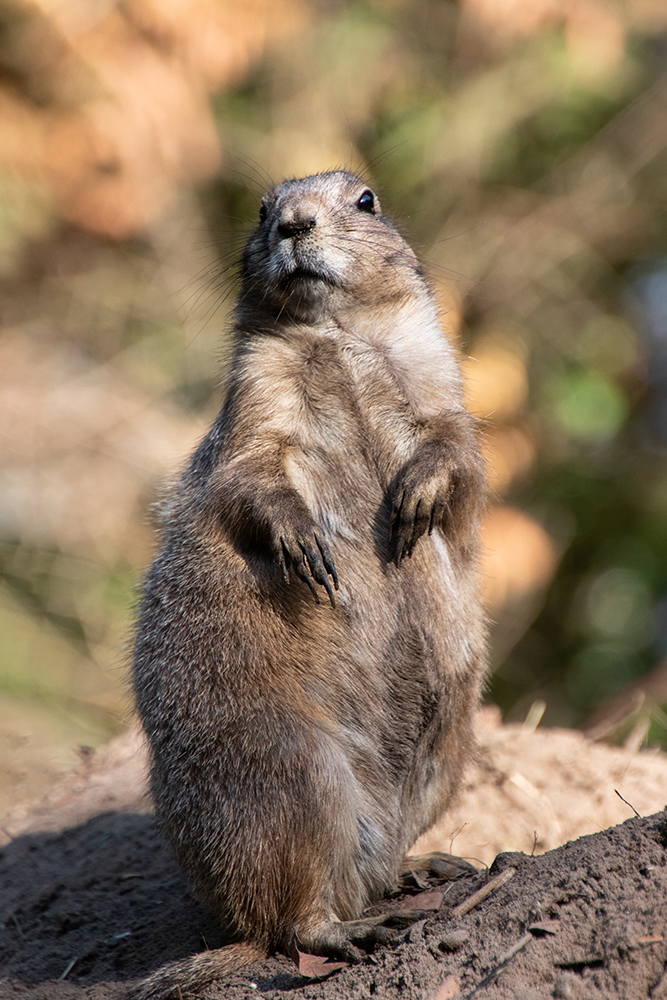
(349, 402)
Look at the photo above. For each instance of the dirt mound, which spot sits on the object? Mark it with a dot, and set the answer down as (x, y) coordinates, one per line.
(92, 899)
(531, 790)
(87, 909)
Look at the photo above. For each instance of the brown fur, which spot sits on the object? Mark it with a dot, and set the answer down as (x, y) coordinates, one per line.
(299, 746)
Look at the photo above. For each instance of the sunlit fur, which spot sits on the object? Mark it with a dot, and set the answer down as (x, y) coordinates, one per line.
(299, 747)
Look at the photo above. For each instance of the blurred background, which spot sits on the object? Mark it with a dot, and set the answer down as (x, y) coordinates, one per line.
(522, 147)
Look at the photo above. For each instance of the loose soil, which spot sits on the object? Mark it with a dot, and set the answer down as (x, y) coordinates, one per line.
(91, 908)
(91, 899)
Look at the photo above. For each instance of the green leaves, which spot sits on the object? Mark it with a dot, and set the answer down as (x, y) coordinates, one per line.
(588, 406)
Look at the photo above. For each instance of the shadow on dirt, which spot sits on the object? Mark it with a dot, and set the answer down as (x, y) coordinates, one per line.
(105, 902)
(106, 895)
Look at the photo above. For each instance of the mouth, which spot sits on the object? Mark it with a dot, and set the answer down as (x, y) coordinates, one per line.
(308, 275)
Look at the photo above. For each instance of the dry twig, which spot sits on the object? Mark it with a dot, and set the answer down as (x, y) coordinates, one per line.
(69, 968)
(627, 803)
(472, 901)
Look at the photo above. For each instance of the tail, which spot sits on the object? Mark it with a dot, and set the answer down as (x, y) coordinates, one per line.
(175, 979)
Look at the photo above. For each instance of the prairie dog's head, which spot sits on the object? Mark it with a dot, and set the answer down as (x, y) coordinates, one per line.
(323, 245)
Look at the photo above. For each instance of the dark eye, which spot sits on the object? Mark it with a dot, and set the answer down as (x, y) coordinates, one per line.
(262, 213)
(367, 202)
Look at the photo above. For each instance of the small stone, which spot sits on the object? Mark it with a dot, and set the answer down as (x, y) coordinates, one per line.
(567, 987)
(416, 932)
(449, 990)
(453, 940)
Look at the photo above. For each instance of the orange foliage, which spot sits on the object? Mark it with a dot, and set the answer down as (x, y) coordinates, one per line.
(129, 115)
(519, 556)
(593, 30)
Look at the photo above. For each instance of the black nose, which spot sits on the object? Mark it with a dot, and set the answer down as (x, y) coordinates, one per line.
(296, 226)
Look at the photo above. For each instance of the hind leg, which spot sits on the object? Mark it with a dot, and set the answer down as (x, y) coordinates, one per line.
(349, 940)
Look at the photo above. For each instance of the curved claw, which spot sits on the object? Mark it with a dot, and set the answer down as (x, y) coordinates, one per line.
(421, 522)
(301, 570)
(313, 559)
(396, 535)
(437, 513)
(396, 507)
(403, 526)
(312, 563)
(415, 513)
(327, 557)
(282, 560)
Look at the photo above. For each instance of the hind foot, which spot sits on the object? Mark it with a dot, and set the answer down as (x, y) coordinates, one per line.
(422, 871)
(346, 939)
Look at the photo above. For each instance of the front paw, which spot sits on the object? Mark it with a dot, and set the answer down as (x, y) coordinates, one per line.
(416, 509)
(438, 489)
(304, 550)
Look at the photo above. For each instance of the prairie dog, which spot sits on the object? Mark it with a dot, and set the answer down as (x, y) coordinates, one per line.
(311, 646)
